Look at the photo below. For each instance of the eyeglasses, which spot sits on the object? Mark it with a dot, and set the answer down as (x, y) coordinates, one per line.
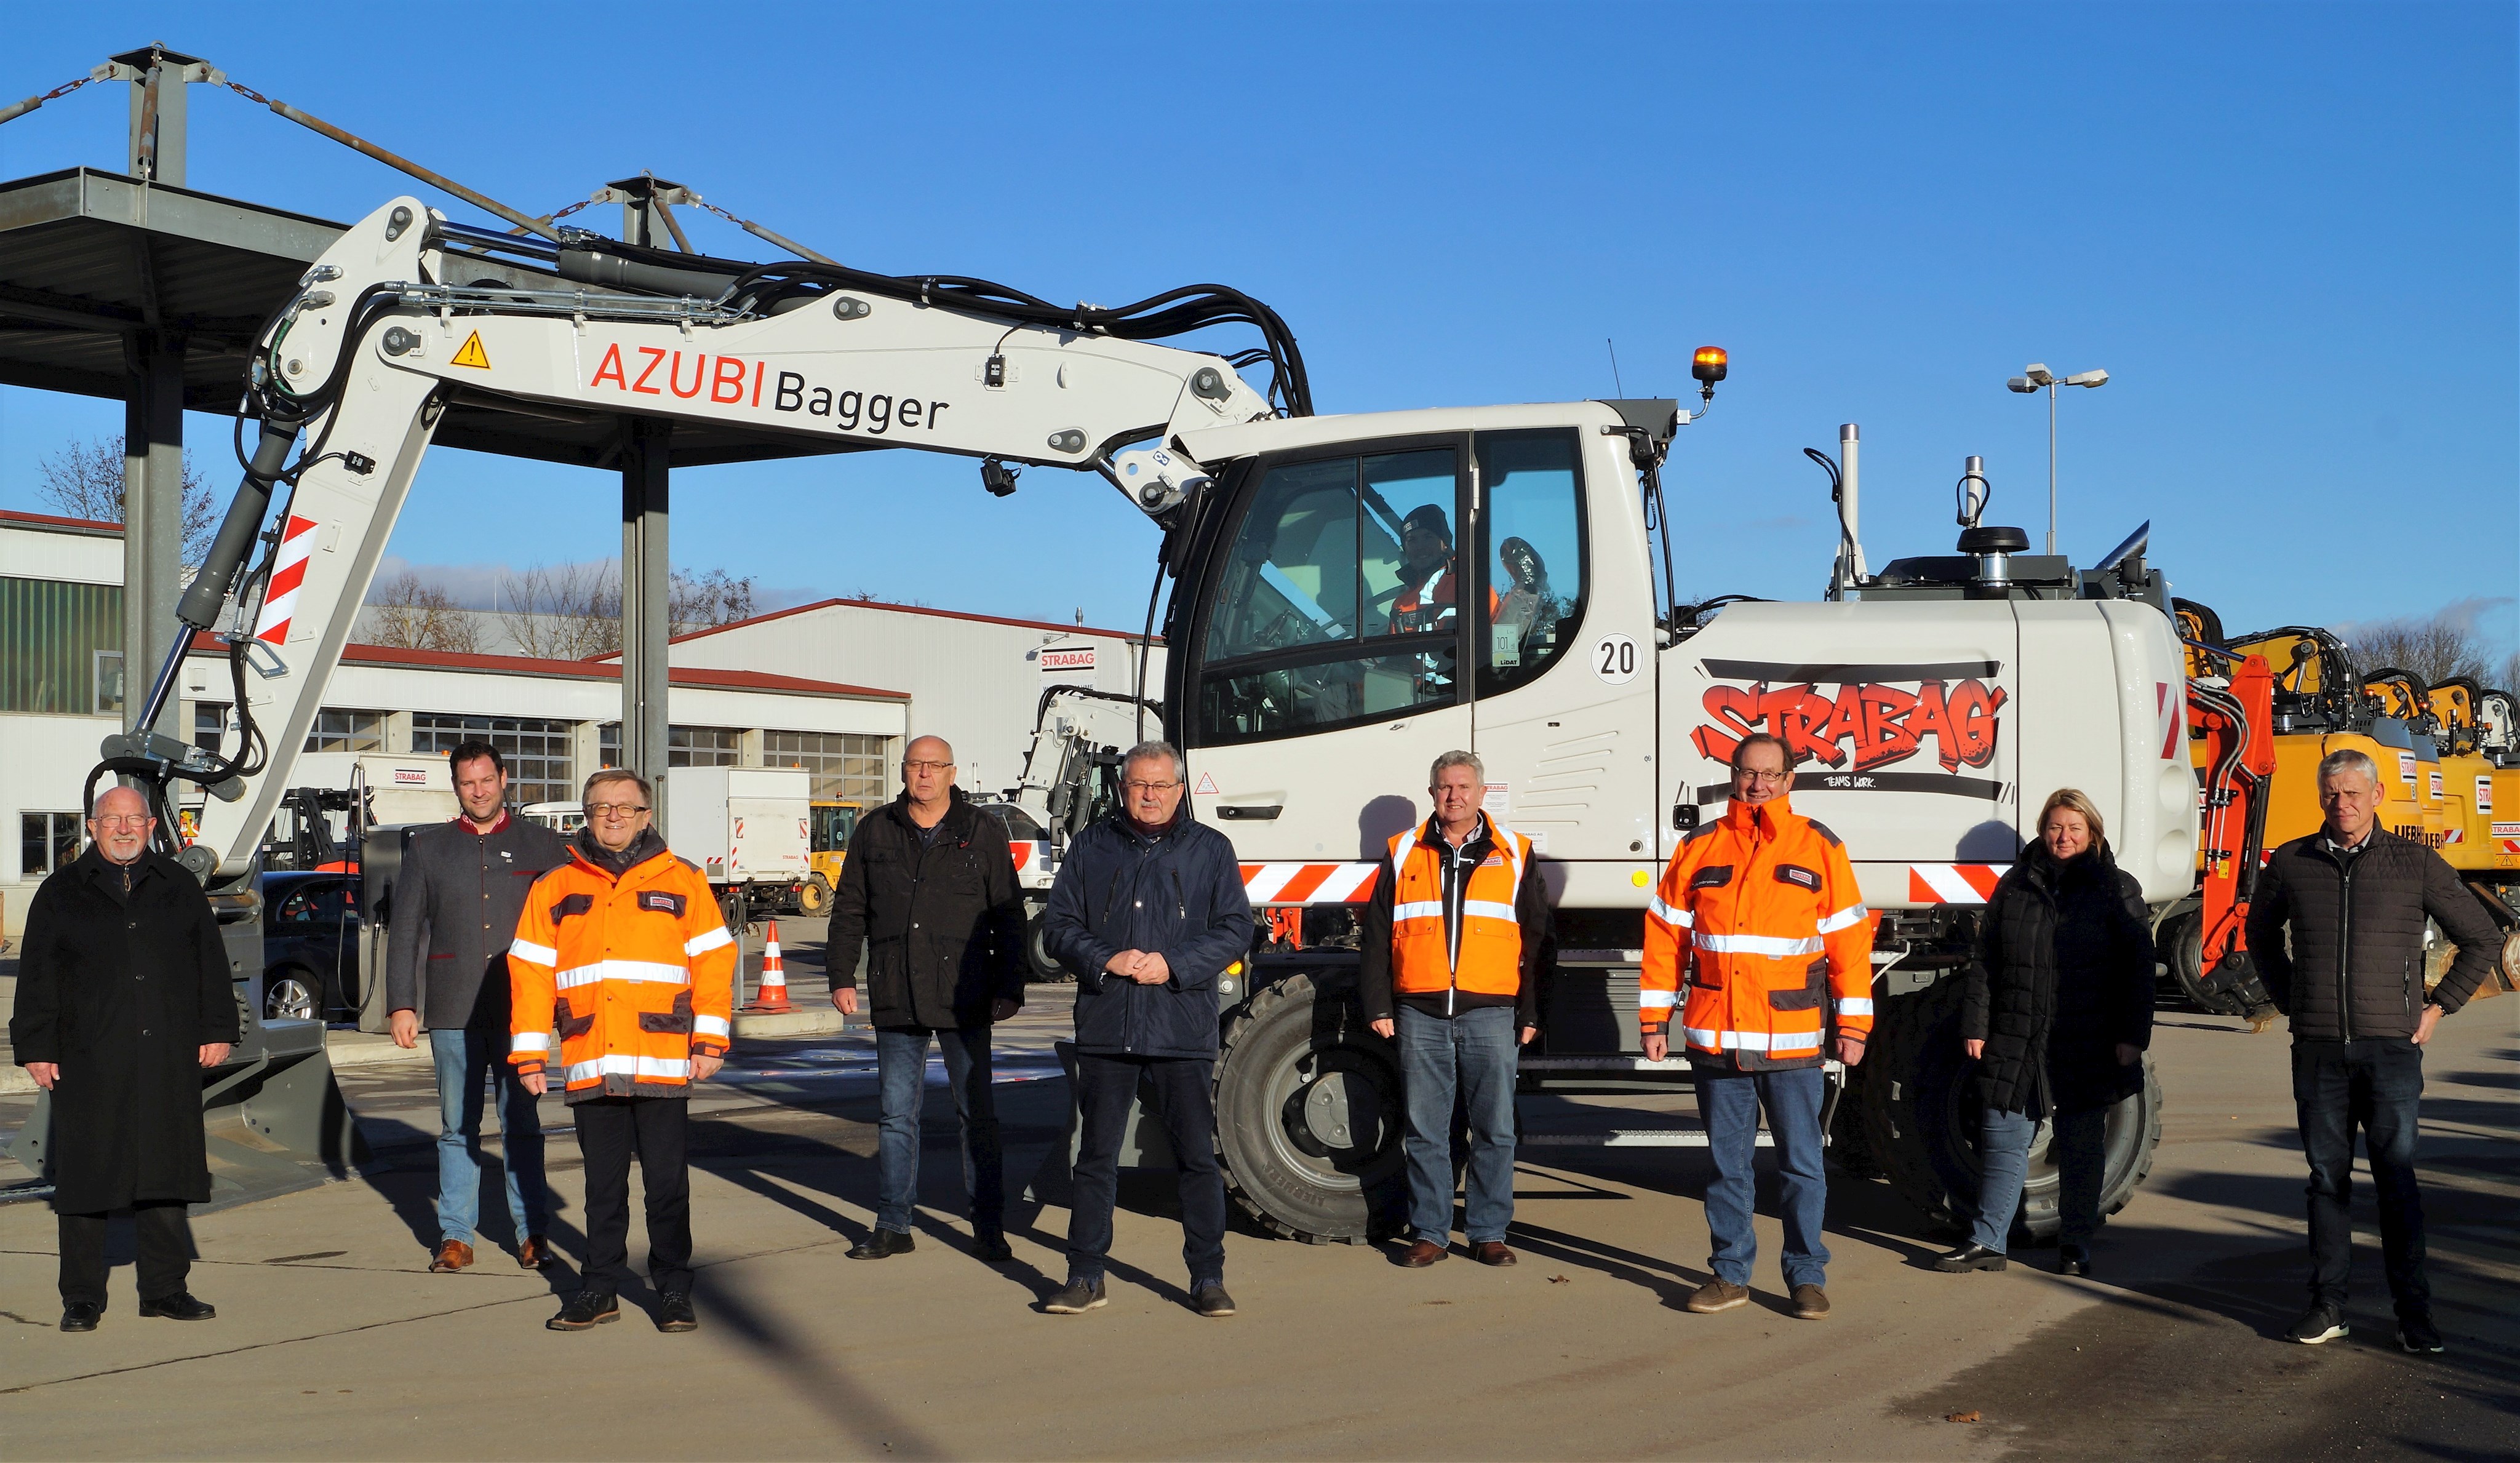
(928, 767)
(122, 820)
(615, 810)
(1771, 778)
(1148, 787)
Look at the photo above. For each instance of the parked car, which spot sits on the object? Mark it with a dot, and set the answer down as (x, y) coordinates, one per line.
(310, 944)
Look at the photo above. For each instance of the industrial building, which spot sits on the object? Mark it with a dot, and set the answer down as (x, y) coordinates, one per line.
(62, 686)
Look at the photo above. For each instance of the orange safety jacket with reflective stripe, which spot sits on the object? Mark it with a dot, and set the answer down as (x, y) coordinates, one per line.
(1760, 918)
(1489, 960)
(640, 971)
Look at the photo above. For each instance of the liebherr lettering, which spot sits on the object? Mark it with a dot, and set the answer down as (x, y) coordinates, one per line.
(734, 381)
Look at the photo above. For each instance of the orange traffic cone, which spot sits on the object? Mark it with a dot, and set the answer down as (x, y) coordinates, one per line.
(772, 995)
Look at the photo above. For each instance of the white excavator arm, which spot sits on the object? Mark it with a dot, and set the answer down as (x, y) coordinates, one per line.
(362, 363)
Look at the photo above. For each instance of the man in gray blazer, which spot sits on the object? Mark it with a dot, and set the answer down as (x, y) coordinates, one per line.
(456, 903)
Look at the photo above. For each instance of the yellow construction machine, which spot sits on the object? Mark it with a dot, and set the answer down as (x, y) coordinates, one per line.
(829, 824)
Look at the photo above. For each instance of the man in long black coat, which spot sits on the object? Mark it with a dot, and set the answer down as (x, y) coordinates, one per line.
(123, 998)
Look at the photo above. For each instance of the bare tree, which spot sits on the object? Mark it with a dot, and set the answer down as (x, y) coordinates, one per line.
(701, 601)
(417, 615)
(572, 612)
(2510, 680)
(2431, 651)
(84, 480)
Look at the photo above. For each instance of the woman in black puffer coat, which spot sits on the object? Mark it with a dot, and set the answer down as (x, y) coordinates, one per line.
(2056, 1010)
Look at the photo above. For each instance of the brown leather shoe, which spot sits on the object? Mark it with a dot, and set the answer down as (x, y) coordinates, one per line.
(534, 1254)
(1717, 1295)
(1492, 1252)
(1421, 1254)
(1810, 1302)
(453, 1255)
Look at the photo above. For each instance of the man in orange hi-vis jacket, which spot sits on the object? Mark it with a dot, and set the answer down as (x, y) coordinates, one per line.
(624, 943)
(1758, 915)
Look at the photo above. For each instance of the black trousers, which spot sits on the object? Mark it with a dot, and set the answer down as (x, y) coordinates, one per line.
(2376, 1086)
(658, 1130)
(165, 1250)
(1183, 1100)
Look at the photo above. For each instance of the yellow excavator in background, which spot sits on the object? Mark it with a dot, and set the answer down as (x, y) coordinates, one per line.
(2448, 756)
(827, 846)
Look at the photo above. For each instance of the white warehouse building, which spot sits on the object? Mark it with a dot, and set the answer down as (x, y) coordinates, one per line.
(975, 680)
(62, 684)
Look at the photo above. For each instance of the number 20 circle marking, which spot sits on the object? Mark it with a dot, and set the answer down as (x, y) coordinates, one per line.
(1614, 659)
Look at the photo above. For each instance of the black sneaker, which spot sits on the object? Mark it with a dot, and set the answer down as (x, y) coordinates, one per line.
(2418, 1335)
(991, 1247)
(1076, 1298)
(586, 1311)
(674, 1312)
(2321, 1324)
(1210, 1300)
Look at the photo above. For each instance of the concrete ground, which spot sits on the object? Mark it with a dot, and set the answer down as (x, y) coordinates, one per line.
(333, 1340)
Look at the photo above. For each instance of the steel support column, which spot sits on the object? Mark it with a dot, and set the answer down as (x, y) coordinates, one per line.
(644, 587)
(153, 512)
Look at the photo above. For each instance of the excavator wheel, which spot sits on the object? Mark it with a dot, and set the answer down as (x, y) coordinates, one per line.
(1046, 969)
(1921, 1114)
(1308, 1112)
(814, 897)
(2182, 943)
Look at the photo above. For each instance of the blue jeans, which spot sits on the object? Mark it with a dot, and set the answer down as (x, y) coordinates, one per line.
(1469, 1055)
(2075, 1142)
(2375, 1086)
(901, 1071)
(1730, 1102)
(470, 1060)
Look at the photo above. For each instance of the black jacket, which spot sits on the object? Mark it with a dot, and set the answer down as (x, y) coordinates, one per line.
(2062, 973)
(123, 990)
(2353, 968)
(1179, 896)
(943, 920)
(1530, 912)
(455, 907)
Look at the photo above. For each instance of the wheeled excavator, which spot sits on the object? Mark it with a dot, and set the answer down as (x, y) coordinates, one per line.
(1350, 595)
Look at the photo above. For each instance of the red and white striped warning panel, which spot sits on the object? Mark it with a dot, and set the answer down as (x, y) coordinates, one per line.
(1953, 883)
(288, 574)
(1026, 852)
(1309, 883)
(2166, 718)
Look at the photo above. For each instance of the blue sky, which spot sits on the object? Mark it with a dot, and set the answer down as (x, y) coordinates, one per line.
(2287, 232)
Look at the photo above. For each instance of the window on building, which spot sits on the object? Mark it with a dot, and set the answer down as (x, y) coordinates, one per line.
(702, 746)
(846, 765)
(48, 658)
(45, 842)
(347, 731)
(541, 759)
(109, 683)
(209, 725)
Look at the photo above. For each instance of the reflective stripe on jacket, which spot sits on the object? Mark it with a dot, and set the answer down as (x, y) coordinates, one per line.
(1483, 954)
(640, 971)
(1759, 912)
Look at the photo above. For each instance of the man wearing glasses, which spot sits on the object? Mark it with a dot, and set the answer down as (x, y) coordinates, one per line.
(929, 889)
(623, 944)
(1147, 912)
(1760, 914)
(123, 999)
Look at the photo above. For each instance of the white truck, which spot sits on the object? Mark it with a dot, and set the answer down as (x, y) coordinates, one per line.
(744, 826)
(1071, 776)
(1351, 596)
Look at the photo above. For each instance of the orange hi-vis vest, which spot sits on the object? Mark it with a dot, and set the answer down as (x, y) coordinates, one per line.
(1423, 959)
(1759, 916)
(640, 971)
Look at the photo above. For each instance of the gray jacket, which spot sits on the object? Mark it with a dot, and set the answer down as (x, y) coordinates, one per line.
(2354, 966)
(455, 909)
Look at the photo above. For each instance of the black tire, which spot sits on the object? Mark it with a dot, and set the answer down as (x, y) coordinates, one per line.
(1308, 1113)
(293, 993)
(735, 910)
(1046, 969)
(814, 897)
(2181, 942)
(1920, 1110)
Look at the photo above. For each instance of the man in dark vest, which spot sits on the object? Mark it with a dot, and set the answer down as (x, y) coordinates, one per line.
(123, 999)
(455, 904)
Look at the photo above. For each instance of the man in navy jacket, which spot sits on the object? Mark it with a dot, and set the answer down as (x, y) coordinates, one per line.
(1148, 911)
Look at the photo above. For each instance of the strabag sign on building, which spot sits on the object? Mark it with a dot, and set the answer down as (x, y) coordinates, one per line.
(1067, 664)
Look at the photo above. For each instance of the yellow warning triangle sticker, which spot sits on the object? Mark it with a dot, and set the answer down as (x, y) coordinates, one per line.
(472, 354)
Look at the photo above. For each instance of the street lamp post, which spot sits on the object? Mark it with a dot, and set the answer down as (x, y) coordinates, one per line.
(2031, 377)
